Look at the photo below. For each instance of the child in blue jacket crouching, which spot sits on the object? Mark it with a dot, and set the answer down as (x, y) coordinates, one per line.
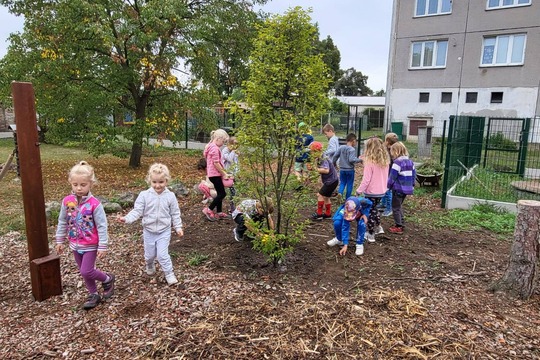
(355, 208)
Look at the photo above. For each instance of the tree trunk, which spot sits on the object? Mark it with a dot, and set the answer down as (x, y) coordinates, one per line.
(136, 153)
(521, 273)
(140, 118)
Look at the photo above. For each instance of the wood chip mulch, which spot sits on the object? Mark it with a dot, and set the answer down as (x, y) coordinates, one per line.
(227, 315)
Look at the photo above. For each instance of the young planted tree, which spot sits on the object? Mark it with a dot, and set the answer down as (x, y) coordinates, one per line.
(287, 85)
(91, 59)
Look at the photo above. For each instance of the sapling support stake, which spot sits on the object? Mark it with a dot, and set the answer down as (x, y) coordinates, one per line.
(469, 172)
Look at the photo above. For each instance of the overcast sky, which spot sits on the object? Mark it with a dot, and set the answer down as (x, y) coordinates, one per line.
(359, 28)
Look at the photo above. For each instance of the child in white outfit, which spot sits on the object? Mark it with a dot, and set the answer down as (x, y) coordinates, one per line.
(230, 163)
(159, 208)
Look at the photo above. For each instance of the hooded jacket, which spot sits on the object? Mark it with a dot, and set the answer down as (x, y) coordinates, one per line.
(158, 211)
(83, 223)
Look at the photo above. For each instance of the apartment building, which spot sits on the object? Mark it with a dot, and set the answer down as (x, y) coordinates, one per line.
(462, 57)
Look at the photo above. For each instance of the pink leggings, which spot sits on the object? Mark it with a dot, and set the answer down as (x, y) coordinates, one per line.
(87, 267)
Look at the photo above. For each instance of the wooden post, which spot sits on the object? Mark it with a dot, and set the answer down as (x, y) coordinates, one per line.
(522, 269)
(44, 268)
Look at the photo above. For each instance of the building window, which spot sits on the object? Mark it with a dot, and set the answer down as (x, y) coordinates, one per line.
(433, 7)
(471, 97)
(497, 4)
(446, 97)
(429, 54)
(424, 97)
(504, 50)
(496, 97)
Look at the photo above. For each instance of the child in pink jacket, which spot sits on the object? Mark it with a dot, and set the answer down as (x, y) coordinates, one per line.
(216, 174)
(374, 181)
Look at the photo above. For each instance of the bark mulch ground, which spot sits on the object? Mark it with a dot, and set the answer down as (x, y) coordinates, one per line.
(420, 295)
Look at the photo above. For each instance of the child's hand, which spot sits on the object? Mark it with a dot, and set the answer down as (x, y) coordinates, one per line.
(121, 219)
(343, 250)
(101, 254)
(180, 233)
(59, 248)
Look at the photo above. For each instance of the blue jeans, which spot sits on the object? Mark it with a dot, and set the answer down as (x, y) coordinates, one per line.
(342, 228)
(387, 201)
(346, 179)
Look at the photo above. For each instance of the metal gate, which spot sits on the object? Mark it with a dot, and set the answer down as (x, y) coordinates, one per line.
(463, 149)
(506, 145)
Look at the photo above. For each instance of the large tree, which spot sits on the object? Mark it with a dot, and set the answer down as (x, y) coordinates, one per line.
(331, 57)
(287, 85)
(89, 59)
(352, 83)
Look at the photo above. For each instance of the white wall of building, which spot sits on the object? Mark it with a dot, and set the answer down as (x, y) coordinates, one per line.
(517, 103)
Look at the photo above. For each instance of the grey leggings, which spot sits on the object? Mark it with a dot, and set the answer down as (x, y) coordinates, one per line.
(397, 211)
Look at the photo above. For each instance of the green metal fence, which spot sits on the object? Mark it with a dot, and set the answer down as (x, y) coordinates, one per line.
(494, 159)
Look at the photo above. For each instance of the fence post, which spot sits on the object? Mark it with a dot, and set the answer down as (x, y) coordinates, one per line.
(442, 141)
(447, 162)
(186, 129)
(44, 267)
(523, 144)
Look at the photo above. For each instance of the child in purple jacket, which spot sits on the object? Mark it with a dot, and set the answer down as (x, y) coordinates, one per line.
(401, 181)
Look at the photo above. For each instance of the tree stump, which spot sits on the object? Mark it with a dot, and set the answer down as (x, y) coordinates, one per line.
(521, 273)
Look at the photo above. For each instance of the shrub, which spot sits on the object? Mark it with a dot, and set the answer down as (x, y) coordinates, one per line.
(498, 141)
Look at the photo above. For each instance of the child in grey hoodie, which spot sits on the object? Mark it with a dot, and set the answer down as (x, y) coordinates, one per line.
(346, 154)
(159, 208)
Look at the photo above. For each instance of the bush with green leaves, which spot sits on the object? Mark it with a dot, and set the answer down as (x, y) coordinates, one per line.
(499, 141)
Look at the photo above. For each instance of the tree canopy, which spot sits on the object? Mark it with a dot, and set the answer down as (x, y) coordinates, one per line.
(331, 57)
(352, 83)
(89, 60)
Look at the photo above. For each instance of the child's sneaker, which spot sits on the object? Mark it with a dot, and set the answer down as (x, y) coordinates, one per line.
(91, 301)
(370, 237)
(396, 229)
(359, 250)
(108, 287)
(222, 216)
(150, 269)
(387, 213)
(378, 230)
(237, 237)
(171, 279)
(334, 242)
(209, 214)
(316, 217)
